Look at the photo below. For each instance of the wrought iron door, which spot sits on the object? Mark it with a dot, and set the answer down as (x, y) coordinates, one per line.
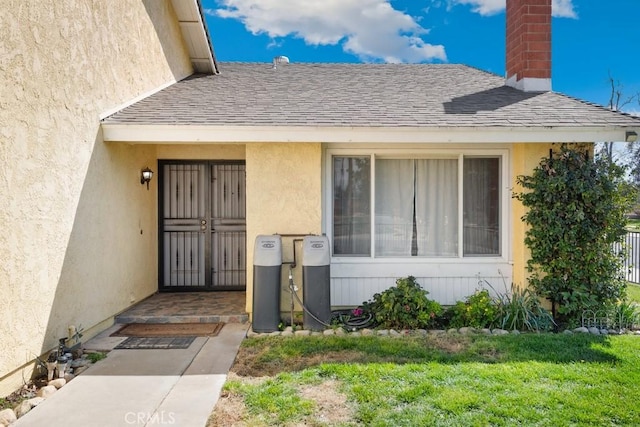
(203, 226)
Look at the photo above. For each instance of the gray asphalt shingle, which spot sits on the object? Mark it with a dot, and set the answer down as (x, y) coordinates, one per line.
(358, 95)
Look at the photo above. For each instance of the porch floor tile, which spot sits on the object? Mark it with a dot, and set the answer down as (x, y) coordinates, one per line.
(188, 307)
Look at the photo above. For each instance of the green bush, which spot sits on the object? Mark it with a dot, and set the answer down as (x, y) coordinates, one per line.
(478, 311)
(626, 315)
(404, 306)
(576, 210)
(521, 310)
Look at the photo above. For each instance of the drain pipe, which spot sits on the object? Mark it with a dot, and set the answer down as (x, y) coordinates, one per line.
(293, 264)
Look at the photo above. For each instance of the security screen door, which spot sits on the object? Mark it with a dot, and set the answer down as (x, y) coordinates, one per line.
(202, 226)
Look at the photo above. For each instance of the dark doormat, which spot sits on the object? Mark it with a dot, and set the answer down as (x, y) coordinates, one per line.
(154, 343)
(169, 330)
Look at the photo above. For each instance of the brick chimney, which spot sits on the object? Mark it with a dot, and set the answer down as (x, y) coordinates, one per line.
(529, 45)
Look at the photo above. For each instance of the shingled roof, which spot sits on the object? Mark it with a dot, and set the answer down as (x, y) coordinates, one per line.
(361, 95)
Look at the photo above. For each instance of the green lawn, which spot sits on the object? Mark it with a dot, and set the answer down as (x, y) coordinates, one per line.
(523, 380)
(633, 224)
(633, 293)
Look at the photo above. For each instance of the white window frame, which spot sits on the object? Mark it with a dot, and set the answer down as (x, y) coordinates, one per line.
(458, 152)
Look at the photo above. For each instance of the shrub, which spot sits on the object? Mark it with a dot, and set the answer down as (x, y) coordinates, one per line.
(404, 306)
(478, 311)
(626, 315)
(576, 212)
(521, 310)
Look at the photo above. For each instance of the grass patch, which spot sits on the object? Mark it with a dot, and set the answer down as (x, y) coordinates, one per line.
(96, 356)
(446, 380)
(633, 292)
(633, 224)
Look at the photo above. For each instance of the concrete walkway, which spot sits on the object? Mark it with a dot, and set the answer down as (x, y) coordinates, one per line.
(144, 387)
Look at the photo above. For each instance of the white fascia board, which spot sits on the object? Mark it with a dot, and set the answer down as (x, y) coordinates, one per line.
(190, 134)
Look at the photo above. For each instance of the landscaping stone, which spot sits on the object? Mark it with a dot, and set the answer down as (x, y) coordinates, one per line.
(7, 416)
(58, 382)
(22, 408)
(46, 391)
(35, 401)
(397, 334)
(79, 363)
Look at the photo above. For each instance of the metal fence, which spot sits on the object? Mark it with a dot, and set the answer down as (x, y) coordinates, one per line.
(632, 262)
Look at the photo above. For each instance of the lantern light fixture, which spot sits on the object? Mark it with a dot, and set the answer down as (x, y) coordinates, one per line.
(145, 176)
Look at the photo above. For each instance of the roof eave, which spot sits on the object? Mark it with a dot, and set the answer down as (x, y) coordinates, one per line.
(195, 32)
(207, 134)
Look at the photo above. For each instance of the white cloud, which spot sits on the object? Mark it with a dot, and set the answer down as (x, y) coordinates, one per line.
(370, 29)
(563, 9)
(559, 8)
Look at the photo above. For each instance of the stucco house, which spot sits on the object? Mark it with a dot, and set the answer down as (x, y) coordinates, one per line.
(408, 169)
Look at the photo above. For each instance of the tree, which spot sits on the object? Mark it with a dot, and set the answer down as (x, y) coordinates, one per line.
(576, 211)
(618, 100)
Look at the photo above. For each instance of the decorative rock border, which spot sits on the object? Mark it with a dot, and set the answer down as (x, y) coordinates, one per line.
(9, 416)
(290, 332)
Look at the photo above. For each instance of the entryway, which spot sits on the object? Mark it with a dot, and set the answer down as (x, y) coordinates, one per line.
(188, 307)
(202, 230)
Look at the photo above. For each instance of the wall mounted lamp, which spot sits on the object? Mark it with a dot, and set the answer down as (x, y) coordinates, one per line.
(631, 136)
(145, 176)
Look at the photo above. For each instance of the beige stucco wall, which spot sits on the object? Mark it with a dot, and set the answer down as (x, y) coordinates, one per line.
(201, 152)
(284, 187)
(525, 158)
(79, 231)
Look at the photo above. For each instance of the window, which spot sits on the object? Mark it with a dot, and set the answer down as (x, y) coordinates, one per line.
(420, 208)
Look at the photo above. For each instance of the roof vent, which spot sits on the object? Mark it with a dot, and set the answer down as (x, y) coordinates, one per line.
(279, 60)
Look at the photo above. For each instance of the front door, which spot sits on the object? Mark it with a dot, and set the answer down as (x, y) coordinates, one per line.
(202, 226)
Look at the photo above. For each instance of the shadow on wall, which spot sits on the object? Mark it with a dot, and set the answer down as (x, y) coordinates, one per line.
(167, 36)
(111, 256)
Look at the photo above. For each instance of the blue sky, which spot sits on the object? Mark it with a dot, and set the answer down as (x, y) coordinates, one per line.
(591, 39)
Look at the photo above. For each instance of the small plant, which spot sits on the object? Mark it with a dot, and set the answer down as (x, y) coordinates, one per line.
(626, 315)
(96, 357)
(478, 311)
(404, 306)
(521, 310)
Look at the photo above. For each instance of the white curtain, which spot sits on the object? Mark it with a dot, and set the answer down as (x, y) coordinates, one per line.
(437, 207)
(394, 207)
(481, 206)
(351, 206)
